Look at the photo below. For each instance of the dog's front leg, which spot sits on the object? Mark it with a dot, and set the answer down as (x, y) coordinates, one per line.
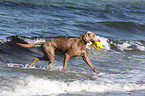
(66, 58)
(86, 59)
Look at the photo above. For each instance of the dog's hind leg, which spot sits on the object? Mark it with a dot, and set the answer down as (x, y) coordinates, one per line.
(37, 59)
(49, 54)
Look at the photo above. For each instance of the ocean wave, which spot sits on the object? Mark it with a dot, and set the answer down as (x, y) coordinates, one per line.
(16, 56)
(117, 30)
(121, 45)
(31, 85)
(128, 45)
(9, 45)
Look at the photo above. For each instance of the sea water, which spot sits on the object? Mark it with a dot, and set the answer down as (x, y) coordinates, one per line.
(119, 24)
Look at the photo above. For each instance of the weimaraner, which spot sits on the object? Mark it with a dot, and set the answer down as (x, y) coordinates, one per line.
(70, 47)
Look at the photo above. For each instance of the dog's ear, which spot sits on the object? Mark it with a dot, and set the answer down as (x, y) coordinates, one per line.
(86, 37)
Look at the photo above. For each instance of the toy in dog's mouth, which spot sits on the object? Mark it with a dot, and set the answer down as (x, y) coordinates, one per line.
(97, 44)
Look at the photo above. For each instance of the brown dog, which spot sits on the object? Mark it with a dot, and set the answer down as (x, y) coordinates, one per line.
(70, 47)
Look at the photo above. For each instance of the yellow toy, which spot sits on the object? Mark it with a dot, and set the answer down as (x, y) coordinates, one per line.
(97, 44)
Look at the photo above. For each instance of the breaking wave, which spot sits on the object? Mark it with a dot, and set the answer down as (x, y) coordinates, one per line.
(8, 45)
(31, 85)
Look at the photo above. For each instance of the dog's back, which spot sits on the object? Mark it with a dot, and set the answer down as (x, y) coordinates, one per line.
(60, 44)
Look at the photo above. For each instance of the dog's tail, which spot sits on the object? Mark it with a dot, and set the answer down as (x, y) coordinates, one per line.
(29, 45)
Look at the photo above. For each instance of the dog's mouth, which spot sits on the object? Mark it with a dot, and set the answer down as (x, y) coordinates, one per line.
(96, 40)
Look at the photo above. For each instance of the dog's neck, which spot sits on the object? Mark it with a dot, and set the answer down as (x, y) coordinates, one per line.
(84, 41)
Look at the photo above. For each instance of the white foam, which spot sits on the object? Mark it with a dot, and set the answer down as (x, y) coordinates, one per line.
(140, 46)
(104, 42)
(124, 46)
(127, 46)
(31, 85)
(16, 65)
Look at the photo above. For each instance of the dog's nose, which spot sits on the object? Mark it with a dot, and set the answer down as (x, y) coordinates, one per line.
(98, 40)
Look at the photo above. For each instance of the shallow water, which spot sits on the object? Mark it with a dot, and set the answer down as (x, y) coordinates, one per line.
(118, 24)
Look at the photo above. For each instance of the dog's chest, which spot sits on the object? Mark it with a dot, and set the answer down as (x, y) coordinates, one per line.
(77, 51)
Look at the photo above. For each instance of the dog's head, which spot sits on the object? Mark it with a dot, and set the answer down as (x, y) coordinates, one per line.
(90, 37)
